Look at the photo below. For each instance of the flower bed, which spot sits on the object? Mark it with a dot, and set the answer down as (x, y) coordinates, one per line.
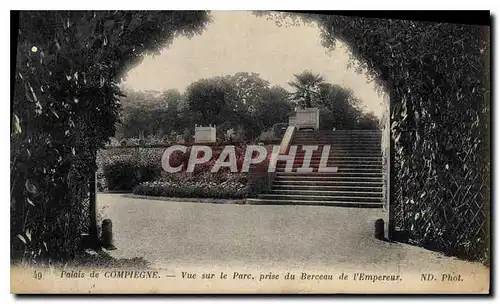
(139, 169)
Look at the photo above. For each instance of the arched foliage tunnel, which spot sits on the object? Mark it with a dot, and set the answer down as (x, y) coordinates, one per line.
(66, 103)
(437, 77)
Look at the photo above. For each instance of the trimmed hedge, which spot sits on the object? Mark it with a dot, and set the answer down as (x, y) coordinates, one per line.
(227, 189)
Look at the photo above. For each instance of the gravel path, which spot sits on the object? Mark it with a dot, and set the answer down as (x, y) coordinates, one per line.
(174, 233)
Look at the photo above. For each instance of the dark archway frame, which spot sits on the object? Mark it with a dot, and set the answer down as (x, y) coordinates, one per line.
(461, 49)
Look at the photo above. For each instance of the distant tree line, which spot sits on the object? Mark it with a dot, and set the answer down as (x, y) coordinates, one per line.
(243, 102)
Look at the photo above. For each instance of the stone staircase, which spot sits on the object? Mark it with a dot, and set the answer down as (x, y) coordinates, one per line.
(357, 183)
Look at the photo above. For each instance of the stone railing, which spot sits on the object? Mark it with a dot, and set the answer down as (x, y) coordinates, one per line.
(385, 125)
(385, 146)
(287, 139)
(259, 179)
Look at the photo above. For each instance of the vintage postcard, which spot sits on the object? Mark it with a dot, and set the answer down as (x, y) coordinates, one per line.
(260, 152)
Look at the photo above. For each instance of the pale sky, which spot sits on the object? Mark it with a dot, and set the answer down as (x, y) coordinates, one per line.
(238, 41)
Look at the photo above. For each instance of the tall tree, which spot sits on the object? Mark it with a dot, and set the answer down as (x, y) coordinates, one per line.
(368, 121)
(143, 111)
(208, 98)
(307, 86)
(173, 120)
(274, 108)
(172, 98)
(248, 88)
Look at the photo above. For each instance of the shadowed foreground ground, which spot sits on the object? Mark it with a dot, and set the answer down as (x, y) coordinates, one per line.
(181, 233)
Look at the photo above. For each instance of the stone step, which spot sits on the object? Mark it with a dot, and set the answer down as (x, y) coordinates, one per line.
(257, 201)
(330, 163)
(339, 136)
(339, 132)
(329, 178)
(315, 172)
(348, 157)
(328, 183)
(334, 157)
(343, 140)
(325, 132)
(335, 144)
(310, 197)
(298, 187)
(330, 135)
(343, 135)
(334, 147)
(338, 155)
(345, 166)
(340, 172)
(341, 167)
(345, 162)
(326, 192)
(344, 153)
(341, 159)
(374, 164)
(328, 174)
(327, 141)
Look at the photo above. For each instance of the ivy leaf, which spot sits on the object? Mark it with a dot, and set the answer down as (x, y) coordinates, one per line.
(31, 186)
(30, 202)
(54, 112)
(16, 125)
(22, 238)
(397, 138)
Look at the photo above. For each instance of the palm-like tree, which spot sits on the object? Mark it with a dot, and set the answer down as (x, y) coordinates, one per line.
(306, 85)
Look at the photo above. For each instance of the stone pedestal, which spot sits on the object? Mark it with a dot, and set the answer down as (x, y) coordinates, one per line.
(204, 134)
(107, 235)
(307, 118)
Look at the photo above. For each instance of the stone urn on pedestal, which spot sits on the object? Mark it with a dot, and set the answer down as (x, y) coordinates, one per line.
(305, 118)
(205, 134)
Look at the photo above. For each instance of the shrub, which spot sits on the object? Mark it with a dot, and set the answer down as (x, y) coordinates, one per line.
(102, 184)
(148, 171)
(125, 174)
(147, 163)
(121, 175)
(267, 136)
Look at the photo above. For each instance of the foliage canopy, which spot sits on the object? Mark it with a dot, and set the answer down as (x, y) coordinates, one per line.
(66, 105)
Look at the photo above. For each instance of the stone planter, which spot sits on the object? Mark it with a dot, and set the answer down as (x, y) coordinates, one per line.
(204, 134)
(307, 118)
